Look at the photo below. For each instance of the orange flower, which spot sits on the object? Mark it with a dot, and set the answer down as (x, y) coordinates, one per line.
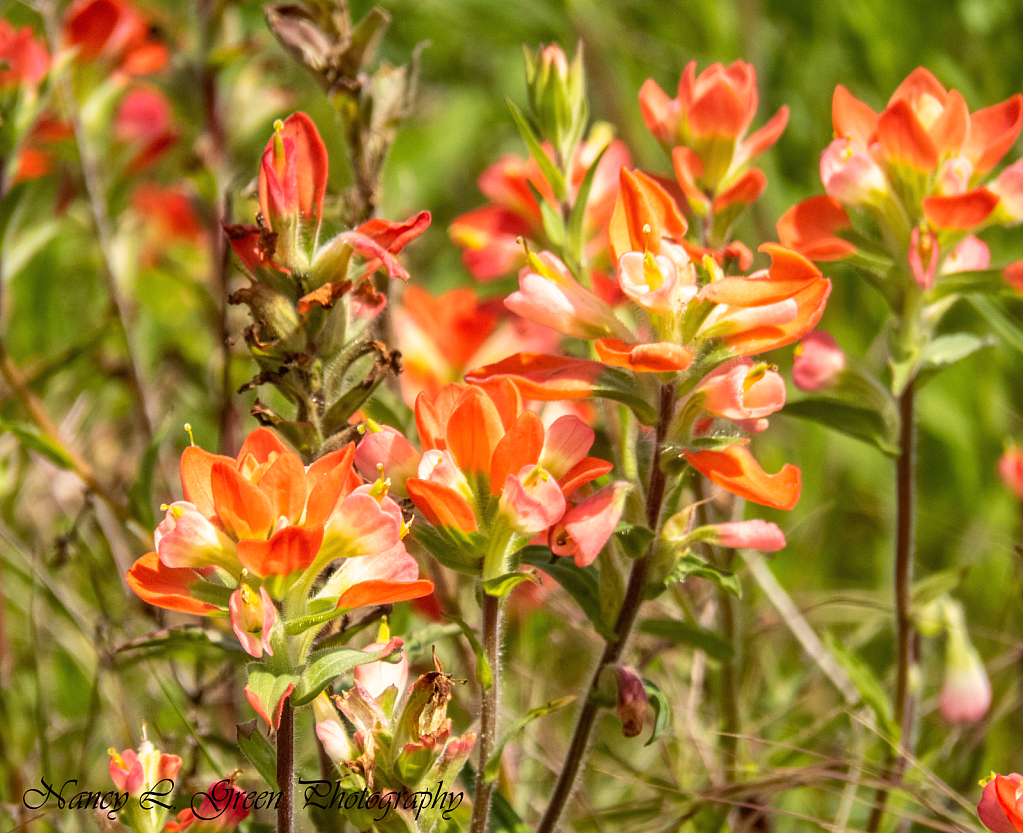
(116, 32)
(27, 59)
(264, 522)
(734, 468)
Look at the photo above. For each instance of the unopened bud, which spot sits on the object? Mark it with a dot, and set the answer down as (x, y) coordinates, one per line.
(632, 700)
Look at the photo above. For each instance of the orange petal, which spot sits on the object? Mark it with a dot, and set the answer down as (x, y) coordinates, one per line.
(165, 587)
(543, 377)
(284, 484)
(587, 469)
(506, 399)
(851, 118)
(790, 273)
(289, 549)
(327, 480)
(473, 431)
(688, 168)
(518, 448)
(1005, 790)
(811, 301)
(641, 203)
(260, 444)
(442, 505)
(810, 228)
(659, 357)
(379, 591)
(962, 211)
(904, 139)
(718, 112)
(735, 469)
(767, 135)
(244, 510)
(196, 465)
(747, 189)
(310, 163)
(950, 128)
(993, 131)
(918, 83)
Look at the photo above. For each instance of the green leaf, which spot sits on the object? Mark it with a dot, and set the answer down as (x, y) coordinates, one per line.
(259, 752)
(977, 280)
(553, 224)
(634, 539)
(662, 710)
(418, 643)
(484, 676)
(494, 764)
(30, 437)
(326, 666)
(551, 174)
(682, 633)
(692, 565)
(140, 495)
(581, 583)
(8, 206)
(866, 682)
(269, 688)
(946, 350)
(501, 586)
(853, 420)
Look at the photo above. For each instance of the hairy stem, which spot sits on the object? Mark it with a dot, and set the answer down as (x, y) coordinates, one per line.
(623, 627)
(489, 703)
(904, 551)
(286, 768)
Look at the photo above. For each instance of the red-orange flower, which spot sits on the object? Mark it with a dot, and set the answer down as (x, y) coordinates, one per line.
(735, 469)
(27, 59)
(113, 31)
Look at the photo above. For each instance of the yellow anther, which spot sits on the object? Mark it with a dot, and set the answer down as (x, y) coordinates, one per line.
(278, 126)
(384, 631)
(120, 761)
(755, 374)
(985, 781)
(847, 154)
(379, 489)
(191, 437)
(164, 507)
(361, 428)
(373, 426)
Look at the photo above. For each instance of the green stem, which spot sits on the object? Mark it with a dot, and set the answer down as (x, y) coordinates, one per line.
(489, 705)
(623, 627)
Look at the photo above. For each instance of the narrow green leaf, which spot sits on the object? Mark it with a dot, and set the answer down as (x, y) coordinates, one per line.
(8, 206)
(259, 752)
(936, 585)
(185, 642)
(494, 764)
(682, 633)
(581, 583)
(866, 682)
(574, 243)
(30, 437)
(484, 676)
(551, 174)
(553, 224)
(326, 666)
(501, 586)
(988, 281)
(662, 710)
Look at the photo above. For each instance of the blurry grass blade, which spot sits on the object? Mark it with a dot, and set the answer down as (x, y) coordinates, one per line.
(1007, 328)
(140, 495)
(494, 764)
(866, 682)
(190, 642)
(30, 437)
(22, 247)
(946, 350)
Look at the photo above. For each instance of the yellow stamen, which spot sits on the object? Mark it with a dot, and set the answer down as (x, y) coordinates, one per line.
(847, 154)
(191, 437)
(118, 760)
(384, 631)
(755, 374)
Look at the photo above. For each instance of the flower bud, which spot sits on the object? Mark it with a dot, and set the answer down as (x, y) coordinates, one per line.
(750, 535)
(966, 692)
(924, 253)
(253, 614)
(557, 96)
(632, 700)
(1010, 469)
(817, 362)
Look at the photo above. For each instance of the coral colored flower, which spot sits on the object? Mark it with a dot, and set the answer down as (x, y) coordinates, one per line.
(281, 522)
(817, 362)
(134, 773)
(1010, 469)
(488, 236)
(656, 283)
(253, 613)
(113, 31)
(738, 390)
(811, 228)
(27, 59)
(752, 535)
(970, 255)
(1009, 187)
(377, 677)
(851, 176)
(143, 119)
(222, 809)
(659, 357)
(1001, 805)
(293, 173)
(586, 527)
(734, 468)
(549, 295)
